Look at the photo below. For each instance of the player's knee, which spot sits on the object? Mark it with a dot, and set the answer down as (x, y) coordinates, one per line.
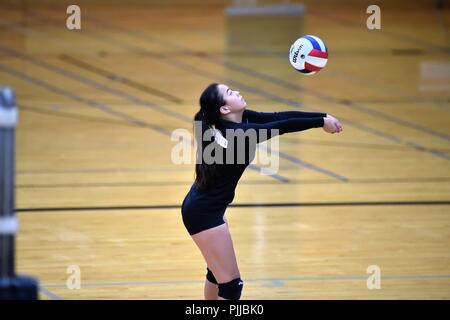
(231, 290)
(210, 277)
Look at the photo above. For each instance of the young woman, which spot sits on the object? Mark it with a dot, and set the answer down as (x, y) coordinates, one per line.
(204, 206)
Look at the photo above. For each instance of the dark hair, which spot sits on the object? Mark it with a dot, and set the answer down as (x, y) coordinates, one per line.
(209, 114)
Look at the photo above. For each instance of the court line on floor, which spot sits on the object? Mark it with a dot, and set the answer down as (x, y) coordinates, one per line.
(99, 170)
(350, 144)
(263, 280)
(243, 182)
(244, 205)
(74, 116)
(119, 78)
(405, 99)
(49, 293)
(91, 103)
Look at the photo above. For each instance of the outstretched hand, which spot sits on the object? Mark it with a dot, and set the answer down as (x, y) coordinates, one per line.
(331, 124)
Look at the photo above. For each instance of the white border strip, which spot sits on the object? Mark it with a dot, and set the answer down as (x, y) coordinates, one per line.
(8, 225)
(8, 117)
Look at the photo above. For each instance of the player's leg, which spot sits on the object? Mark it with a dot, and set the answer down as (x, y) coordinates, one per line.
(211, 289)
(217, 248)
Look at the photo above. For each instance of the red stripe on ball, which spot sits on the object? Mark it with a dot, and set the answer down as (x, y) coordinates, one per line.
(310, 67)
(318, 54)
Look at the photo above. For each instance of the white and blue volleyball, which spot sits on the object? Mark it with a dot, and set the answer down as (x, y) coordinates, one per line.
(308, 54)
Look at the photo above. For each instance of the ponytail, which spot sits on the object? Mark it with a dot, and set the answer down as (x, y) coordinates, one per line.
(209, 114)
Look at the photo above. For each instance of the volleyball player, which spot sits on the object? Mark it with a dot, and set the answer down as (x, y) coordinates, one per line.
(203, 208)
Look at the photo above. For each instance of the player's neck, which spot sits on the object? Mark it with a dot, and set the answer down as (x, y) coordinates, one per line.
(234, 117)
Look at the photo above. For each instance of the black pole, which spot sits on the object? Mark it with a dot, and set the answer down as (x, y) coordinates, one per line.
(8, 221)
(12, 287)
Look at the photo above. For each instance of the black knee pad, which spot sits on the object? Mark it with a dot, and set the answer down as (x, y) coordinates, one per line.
(231, 290)
(210, 276)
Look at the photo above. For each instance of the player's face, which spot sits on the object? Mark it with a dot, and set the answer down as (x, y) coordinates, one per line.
(234, 101)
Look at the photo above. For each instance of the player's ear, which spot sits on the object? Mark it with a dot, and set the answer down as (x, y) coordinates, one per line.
(224, 110)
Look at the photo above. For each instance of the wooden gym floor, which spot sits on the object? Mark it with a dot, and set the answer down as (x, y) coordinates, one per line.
(96, 186)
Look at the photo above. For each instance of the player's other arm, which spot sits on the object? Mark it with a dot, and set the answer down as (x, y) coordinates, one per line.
(265, 117)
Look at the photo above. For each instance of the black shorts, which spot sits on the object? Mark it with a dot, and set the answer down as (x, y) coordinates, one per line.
(199, 214)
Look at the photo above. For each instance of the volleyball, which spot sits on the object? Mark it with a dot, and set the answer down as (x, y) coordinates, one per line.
(308, 54)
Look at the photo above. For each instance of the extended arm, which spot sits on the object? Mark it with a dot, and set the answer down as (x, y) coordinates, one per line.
(265, 117)
(265, 131)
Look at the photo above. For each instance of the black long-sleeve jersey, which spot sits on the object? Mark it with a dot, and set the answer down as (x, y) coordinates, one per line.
(204, 208)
